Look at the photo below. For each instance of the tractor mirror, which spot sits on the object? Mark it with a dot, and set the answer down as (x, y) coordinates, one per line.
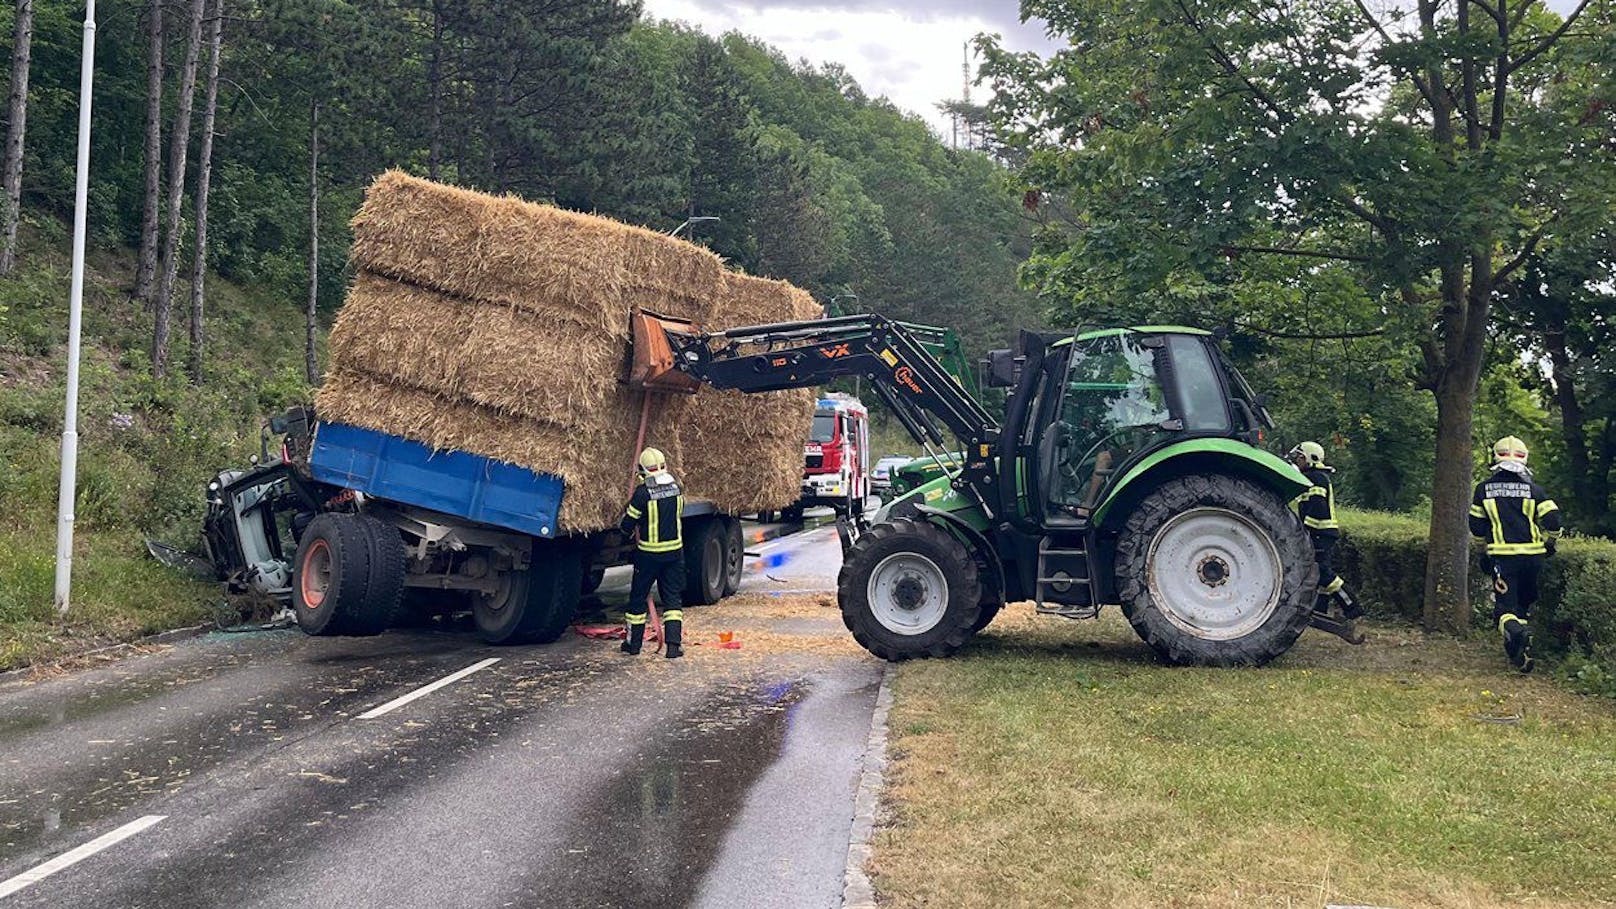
(277, 425)
(1004, 368)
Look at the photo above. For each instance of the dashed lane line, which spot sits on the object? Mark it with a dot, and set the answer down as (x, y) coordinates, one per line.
(427, 689)
(74, 856)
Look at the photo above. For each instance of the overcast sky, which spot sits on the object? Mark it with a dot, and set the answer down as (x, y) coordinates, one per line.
(911, 51)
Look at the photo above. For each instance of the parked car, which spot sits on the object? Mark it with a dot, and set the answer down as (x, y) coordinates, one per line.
(881, 474)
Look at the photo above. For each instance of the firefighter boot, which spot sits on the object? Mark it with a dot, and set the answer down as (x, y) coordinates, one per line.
(1517, 641)
(673, 636)
(636, 637)
(1349, 607)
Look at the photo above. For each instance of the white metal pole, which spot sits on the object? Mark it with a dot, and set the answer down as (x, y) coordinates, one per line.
(75, 308)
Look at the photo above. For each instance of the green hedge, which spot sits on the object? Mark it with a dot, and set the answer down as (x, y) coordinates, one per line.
(1382, 558)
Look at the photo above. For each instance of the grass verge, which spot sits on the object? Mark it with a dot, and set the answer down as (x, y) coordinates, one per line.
(1057, 763)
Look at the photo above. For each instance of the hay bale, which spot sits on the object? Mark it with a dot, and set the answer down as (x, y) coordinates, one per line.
(755, 301)
(498, 327)
(550, 262)
(497, 356)
(758, 466)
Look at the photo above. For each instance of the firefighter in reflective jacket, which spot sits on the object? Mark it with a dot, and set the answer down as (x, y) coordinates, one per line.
(1520, 524)
(1317, 509)
(655, 514)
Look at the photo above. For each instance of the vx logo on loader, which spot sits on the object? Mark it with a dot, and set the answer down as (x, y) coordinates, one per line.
(835, 352)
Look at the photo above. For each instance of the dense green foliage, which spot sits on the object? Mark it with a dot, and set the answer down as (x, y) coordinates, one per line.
(1382, 558)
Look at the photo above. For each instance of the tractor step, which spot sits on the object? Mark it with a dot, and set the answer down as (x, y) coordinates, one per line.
(1064, 584)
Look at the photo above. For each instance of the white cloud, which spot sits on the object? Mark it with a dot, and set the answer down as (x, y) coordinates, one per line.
(912, 56)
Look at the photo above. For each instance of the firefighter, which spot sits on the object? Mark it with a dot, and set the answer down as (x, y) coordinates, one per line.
(1520, 524)
(1316, 507)
(655, 514)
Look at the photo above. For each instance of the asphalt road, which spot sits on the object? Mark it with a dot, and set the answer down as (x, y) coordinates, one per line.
(254, 770)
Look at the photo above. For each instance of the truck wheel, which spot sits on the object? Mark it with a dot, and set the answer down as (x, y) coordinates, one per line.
(533, 606)
(593, 577)
(1213, 570)
(373, 613)
(331, 573)
(734, 556)
(705, 566)
(909, 589)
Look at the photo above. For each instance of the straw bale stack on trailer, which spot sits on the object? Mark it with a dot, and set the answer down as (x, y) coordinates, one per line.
(500, 327)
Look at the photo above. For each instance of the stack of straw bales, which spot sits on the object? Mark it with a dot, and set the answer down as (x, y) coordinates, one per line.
(500, 327)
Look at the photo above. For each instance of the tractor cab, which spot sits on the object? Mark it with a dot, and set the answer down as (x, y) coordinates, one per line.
(1105, 401)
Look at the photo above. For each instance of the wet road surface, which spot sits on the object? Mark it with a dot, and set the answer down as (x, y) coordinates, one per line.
(558, 775)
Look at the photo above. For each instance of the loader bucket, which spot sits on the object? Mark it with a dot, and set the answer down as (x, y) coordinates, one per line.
(651, 364)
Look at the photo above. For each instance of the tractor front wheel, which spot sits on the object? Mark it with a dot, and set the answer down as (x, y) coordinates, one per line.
(1214, 570)
(909, 589)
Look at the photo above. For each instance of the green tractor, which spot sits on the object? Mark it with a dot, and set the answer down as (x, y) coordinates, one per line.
(1126, 470)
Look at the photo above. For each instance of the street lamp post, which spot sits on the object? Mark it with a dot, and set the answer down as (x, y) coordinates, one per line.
(75, 310)
(689, 222)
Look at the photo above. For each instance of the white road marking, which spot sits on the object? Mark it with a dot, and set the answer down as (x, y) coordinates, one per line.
(74, 856)
(425, 690)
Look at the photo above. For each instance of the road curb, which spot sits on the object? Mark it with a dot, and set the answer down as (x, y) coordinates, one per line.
(857, 890)
(161, 637)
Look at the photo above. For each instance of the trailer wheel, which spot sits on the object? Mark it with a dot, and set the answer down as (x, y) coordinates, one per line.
(734, 556)
(331, 573)
(1213, 570)
(705, 565)
(792, 514)
(374, 612)
(533, 606)
(909, 589)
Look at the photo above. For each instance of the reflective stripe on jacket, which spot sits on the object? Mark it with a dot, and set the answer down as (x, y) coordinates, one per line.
(657, 512)
(1316, 506)
(1513, 514)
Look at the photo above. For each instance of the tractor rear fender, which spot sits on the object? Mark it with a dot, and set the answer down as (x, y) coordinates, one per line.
(1212, 456)
(987, 558)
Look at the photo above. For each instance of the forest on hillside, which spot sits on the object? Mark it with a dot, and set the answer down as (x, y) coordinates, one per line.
(582, 103)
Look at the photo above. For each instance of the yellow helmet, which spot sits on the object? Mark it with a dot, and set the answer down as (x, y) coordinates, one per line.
(653, 460)
(1509, 448)
(1310, 452)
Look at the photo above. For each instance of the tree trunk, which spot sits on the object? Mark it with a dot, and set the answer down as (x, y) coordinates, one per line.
(11, 203)
(204, 174)
(1447, 560)
(179, 144)
(1447, 563)
(311, 364)
(434, 79)
(147, 270)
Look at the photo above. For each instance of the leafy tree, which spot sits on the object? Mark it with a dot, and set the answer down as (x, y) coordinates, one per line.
(1188, 139)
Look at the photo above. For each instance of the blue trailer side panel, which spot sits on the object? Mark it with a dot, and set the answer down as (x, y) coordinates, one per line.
(453, 482)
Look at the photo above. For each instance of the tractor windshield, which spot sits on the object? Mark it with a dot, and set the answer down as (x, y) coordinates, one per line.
(1112, 407)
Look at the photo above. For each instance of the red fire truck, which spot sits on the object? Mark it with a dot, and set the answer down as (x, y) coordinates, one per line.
(836, 458)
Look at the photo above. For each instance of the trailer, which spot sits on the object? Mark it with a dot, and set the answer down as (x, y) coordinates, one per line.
(349, 521)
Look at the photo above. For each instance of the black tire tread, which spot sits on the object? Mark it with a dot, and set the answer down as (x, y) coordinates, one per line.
(1290, 617)
(384, 592)
(350, 551)
(964, 586)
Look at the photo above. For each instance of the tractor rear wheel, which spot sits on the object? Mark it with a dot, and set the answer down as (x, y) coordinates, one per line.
(1213, 570)
(909, 589)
